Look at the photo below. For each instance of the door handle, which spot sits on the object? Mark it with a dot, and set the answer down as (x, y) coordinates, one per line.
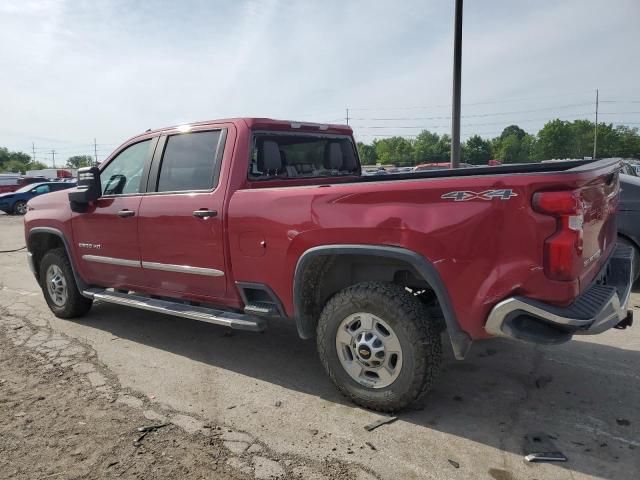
(204, 213)
(126, 213)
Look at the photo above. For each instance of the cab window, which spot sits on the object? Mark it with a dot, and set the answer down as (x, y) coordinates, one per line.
(123, 175)
(301, 156)
(190, 162)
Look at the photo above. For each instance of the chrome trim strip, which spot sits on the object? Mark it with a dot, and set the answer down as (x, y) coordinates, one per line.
(112, 261)
(167, 267)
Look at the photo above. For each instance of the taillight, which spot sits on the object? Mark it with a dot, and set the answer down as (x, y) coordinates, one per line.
(563, 249)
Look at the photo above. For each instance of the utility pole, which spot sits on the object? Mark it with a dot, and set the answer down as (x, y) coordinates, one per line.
(457, 70)
(347, 116)
(595, 133)
(33, 149)
(53, 158)
(95, 151)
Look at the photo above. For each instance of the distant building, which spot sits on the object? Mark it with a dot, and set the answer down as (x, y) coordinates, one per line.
(53, 173)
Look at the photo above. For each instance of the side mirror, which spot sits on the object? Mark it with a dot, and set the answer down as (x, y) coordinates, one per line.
(88, 190)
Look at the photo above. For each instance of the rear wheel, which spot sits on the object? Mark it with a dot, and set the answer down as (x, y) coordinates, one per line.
(20, 207)
(378, 345)
(59, 286)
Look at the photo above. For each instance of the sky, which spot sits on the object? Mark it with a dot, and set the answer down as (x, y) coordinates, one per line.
(75, 71)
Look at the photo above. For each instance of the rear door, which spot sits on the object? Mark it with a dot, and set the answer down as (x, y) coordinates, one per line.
(181, 225)
(106, 235)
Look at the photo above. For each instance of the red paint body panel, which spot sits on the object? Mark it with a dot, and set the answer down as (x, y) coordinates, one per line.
(484, 250)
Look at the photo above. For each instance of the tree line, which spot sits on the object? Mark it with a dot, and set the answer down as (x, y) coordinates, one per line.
(556, 139)
(20, 162)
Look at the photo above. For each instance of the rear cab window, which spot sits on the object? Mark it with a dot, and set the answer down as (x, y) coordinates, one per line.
(282, 156)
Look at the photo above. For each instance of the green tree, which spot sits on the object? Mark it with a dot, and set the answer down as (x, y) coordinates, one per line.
(367, 154)
(513, 149)
(476, 150)
(555, 140)
(13, 161)
(513, 130)
(426, 147)
(628, 142)
(79, 161)
(394, 151)
(37, 166)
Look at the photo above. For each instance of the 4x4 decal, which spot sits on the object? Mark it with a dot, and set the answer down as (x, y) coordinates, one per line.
(465, 195)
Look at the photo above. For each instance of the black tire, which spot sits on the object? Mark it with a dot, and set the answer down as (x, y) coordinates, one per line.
(19, 207)
(75, 305)
(419, 338)
(636, 256)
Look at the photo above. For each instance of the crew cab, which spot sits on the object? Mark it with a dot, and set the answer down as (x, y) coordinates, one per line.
(243, 222)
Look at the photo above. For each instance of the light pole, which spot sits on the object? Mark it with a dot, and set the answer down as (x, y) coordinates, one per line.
(457, 70)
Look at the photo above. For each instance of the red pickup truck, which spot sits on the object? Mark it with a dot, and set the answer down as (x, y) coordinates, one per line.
(244, 221)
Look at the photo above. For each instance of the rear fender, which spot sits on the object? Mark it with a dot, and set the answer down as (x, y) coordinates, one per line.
(306, 321)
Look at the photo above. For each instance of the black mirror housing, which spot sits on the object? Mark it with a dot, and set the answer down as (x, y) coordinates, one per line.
(88, 190)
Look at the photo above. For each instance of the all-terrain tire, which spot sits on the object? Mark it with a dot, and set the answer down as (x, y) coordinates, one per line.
(419, 338)
(74, 305)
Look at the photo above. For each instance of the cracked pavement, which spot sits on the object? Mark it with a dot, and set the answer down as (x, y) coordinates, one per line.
(270, 397)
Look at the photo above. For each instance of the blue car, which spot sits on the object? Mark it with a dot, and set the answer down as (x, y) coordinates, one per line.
(16, 202)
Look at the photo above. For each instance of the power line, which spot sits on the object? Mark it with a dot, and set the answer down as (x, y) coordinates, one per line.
(479, 115)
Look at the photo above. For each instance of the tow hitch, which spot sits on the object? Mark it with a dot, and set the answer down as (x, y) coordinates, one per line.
(627, 322)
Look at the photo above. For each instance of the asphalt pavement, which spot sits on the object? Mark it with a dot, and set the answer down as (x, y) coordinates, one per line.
(505, 400)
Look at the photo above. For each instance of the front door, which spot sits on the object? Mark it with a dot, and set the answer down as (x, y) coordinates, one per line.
(180, 222)
(106, 235)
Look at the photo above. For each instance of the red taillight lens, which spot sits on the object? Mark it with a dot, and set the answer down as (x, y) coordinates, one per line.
(556, 203)
(563, 250)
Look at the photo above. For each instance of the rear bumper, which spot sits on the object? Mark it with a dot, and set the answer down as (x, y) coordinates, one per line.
(602, 306)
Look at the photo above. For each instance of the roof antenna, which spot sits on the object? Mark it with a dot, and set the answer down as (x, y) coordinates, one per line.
(457, 69)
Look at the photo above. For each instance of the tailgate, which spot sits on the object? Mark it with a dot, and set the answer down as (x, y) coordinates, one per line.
(599, 201)
(584, 206)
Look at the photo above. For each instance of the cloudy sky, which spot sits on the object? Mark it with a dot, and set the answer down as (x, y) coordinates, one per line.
(78, 70)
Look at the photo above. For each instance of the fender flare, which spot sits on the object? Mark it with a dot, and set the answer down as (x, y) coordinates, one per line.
(82, 285)
(460, 340)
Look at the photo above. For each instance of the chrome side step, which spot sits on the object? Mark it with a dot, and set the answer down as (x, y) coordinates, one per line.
(234, 320)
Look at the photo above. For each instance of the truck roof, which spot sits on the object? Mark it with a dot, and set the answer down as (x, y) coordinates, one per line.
(262, 123)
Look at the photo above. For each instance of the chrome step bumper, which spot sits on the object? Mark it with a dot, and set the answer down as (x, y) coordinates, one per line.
(233, 320)
(602, 306)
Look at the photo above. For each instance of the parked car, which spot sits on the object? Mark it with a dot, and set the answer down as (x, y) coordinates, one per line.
(234, 222)
(437, 166)
(16, 202)
(629, 215)
(13, 182)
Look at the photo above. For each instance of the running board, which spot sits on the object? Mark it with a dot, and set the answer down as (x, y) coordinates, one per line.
(233, 320)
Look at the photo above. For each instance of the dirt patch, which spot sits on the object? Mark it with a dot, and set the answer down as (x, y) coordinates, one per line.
(63, 415)
(52, 425)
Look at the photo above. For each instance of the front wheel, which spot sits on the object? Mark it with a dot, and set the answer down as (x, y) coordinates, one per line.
(379, 346)
(59, 286)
